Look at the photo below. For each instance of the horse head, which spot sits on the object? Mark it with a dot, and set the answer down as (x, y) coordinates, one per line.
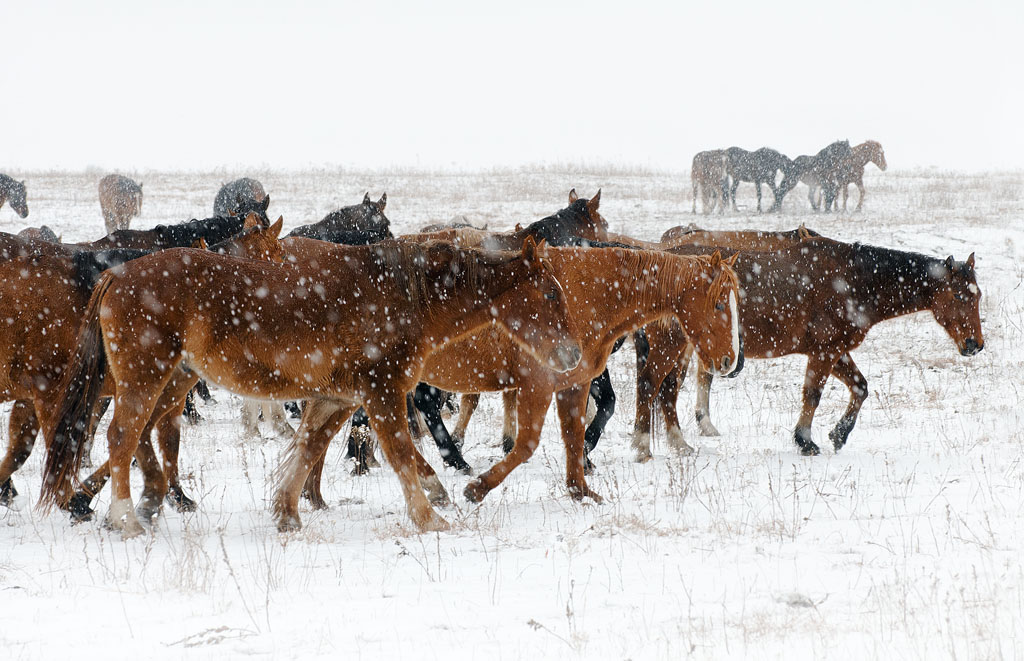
(956, 304)
(536, 314)
(718, 342)
(255, 241)
(16, 198)
(876, 154)
(247, 206)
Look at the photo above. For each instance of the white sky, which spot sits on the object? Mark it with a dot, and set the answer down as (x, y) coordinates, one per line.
(137, 85)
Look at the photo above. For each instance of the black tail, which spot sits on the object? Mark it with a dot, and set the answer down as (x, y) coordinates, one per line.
(79, 387)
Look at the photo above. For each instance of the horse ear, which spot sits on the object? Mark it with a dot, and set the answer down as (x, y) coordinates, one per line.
(573, 196)
(716, 258)
(802, 232)
(542, 249)
(252, 220)
(950, 263)
(970, 261)
(275, 229)
(529, 249)
(732, 260)
(594, 202)
(519, 227)
(266, 203)
(366, 198)
(200, 243)
(383, 201)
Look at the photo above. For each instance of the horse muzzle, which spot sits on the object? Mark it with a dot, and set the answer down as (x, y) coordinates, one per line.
(971, 347)
(566, 358)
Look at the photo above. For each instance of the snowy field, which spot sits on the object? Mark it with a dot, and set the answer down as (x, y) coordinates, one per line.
(908, 544)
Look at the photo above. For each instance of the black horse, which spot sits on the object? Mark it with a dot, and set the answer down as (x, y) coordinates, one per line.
(182, 235)
(237, 195)
(359, 224)
(758, 167)
(820, 172)
(13, 192)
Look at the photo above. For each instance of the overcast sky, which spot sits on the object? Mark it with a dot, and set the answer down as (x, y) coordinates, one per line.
(138, 85)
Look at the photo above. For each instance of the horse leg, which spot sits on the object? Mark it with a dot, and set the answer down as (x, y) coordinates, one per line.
(168, 428)
(572, 407)
(846, 193)
(428, 401)
(813, 198)
(732, 193)
(666, 343)
(250, 418)
(80, 505)
(279, 419)
(860, 189)
(389, 422)
(531, 405)
(22, 429)
(702, 411)
(693, 179)
(604, 396)
(757, 184)
(467, 405)
(814, 381)
(360, 448)
(846, 371)
(510, 423)
(668, 396)
(321, 420)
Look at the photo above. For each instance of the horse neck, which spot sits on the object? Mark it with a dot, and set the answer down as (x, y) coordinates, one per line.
(460, 310)
(861, 155)
(651, 286)
(902, 285)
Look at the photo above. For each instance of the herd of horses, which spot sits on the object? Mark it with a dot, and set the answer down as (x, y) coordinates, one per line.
(716, 174)
(358, 324)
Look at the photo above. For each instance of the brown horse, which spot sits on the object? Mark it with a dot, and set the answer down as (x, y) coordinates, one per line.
(688, 235)
(46, 296)
(611, 292)
(353, 330)
(708, 172)
(820, 298)
(13, 246)
(41, 233)
(12, 192)
(578, 221)
(120, 201)
(851, 169)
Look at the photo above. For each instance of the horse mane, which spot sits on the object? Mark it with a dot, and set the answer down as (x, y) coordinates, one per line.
(894, 265)
(214, 230)
(89, 265)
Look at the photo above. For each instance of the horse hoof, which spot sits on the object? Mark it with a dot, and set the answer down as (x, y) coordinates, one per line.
(589, 467)
(147, 510)
(461, 467)
(475, 491)
(811, 450)
(79, 509)
(643, 456)
(433, 523)
(579, 493)
(360, 469)
(176, 498)
(7, 493)
(316, 499)
(290, 523)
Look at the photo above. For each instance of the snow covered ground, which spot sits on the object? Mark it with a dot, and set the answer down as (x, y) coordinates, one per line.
(907, 544)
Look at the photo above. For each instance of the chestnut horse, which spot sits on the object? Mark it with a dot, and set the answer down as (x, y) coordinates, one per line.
(236, 196)
(353, 330)
(120, 201)
(708, 172)
(820, 298)
(12, 191)
(611, 292)
(851, 169)
(46, 297)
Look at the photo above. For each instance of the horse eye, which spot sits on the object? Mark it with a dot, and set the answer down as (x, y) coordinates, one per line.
(551, 296)
(720, 306)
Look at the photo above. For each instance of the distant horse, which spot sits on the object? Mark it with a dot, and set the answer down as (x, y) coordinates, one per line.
(354, 330)
(182, 235)
(235, 197)
(820, 298)
(45, 296)
(458, 222)
(359, 224)
(578, 221)
(120, 201)
(820, 172)
(13, 192)
(610, 292)
(41, 233)
(709, 173)
(851, 169)
(12, 246)
(758, 167)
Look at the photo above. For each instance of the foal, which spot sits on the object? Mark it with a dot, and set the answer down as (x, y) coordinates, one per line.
(354, 330)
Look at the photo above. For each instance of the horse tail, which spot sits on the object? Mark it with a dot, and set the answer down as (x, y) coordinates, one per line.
(79, 390)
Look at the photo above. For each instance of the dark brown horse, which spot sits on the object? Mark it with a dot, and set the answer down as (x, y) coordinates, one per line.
(610, 292)
(182, 235)
(45, 297)
(820, 298)
(120, 201)
(578, 221)
(820, 172)
(359, 224)
(759, 167)
(235, 197)
(353, 330)
(12, 191)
